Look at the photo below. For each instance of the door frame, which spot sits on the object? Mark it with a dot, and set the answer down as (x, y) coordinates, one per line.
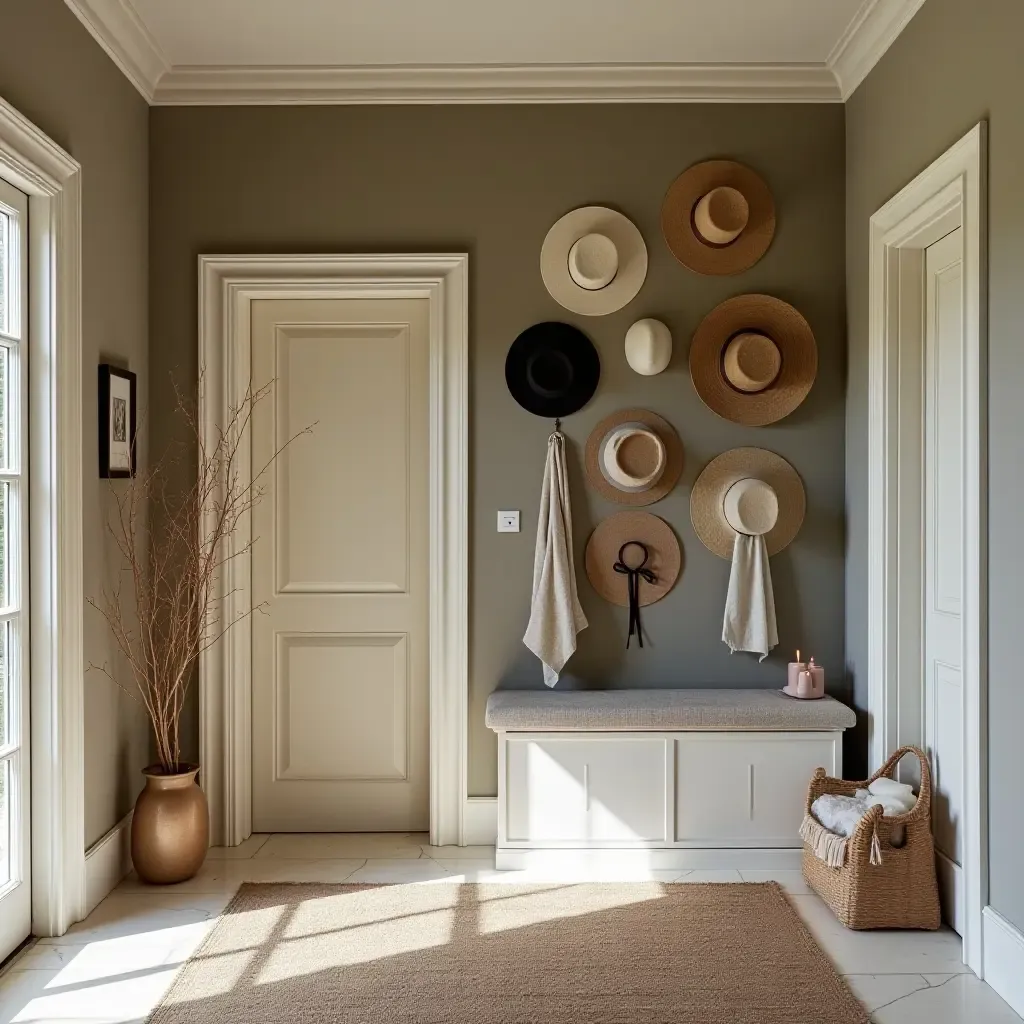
(35, 164)
(948, 194)
(228, 285)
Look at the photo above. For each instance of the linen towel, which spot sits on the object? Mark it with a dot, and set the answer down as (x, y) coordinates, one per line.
(555, 612)
(750, 603)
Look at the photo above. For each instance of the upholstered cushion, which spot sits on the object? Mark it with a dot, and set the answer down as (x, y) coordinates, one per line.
(663, 710)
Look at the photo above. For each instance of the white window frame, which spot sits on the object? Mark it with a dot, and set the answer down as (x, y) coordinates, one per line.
(52, 180)
(228, 285)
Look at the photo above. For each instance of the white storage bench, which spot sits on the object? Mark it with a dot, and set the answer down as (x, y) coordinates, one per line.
(660, 778)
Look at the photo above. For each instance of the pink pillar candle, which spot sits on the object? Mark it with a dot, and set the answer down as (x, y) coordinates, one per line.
(793, 676)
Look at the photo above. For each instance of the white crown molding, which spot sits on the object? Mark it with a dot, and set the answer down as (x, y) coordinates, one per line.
(117, 27)
(872, 31)
(500, 83)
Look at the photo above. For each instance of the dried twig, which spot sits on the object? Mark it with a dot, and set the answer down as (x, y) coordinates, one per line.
(178, 606)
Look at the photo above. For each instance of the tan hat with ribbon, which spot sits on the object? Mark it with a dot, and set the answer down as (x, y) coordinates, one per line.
(751, 491)
(753, 359)
(593, 260)
(634, 457)
(718, 217)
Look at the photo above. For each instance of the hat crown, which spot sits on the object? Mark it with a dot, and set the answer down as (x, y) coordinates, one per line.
(648, 347)
(593, 261)
(721, 215)
(634, 457)
(751, 362)
(751, 507)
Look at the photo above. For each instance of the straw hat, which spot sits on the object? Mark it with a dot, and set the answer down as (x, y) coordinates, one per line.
(552, 369)
(634, 457)
(593, 260)
(648, 347)
(753, 359)
(718, 217)
(665, 558)
(747, 490)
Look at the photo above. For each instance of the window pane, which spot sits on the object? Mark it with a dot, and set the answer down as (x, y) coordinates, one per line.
(5, 232)
(5, 561)
(4, 360)
(5, 822)
(6, 726)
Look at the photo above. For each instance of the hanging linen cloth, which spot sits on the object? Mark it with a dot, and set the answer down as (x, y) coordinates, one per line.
(556, 615)
(750, 603)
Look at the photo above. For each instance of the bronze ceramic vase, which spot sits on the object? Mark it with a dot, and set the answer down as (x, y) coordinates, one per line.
(171, 826)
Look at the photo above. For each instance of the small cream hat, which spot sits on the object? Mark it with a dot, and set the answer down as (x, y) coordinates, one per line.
(750, 491)
(648, 347)
(593, 260)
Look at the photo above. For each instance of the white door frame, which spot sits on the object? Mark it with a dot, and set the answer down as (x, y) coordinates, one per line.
(228, 285)
(52, 180)
(950, 193)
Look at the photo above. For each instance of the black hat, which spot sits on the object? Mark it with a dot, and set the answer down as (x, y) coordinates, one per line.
(552, 369)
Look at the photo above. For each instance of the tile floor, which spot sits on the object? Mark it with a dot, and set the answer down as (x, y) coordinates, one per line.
(115, 966)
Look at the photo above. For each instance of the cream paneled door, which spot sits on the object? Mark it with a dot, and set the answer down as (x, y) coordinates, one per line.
(944, 558)
(339, 566)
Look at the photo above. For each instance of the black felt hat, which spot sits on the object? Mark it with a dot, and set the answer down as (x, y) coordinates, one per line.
(552, 369)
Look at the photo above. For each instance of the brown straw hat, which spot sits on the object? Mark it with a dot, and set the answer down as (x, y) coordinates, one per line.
(747, 490)
(718, 217)
(753, 359)
(664, 560)
(634, 457)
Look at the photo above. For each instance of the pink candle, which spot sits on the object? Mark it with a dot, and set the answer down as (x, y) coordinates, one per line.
(793, 676)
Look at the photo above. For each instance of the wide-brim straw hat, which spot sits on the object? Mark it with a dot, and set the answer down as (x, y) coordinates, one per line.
(731, 469)
(593, 260)
(552, 369)
(634, 457)
(753, 359)
(665, 557)
(718, 217)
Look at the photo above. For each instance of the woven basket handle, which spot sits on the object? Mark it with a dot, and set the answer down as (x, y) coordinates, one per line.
(924, 799)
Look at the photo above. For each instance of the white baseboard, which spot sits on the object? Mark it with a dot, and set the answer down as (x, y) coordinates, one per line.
(480, 821)
(654, 860)
(1003, 947)
(107, 861)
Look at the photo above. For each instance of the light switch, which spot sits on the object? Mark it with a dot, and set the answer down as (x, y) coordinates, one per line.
(508, 522)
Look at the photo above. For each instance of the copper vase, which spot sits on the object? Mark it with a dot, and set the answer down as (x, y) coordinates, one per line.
(171, 826)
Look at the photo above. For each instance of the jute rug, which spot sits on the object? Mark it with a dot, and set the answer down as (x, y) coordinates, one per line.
(491, 954)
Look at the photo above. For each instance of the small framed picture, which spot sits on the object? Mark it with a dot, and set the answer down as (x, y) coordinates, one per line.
(117, 421)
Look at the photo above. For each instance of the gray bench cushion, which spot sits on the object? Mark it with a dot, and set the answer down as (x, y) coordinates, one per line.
(663, 711)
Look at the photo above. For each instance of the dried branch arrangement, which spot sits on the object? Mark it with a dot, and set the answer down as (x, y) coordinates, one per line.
(174, 612)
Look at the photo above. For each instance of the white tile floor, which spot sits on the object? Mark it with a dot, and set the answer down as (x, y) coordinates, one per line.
(115, 966)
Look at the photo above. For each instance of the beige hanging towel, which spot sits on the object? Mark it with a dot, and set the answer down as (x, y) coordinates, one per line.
(750, 604)
(555, 612)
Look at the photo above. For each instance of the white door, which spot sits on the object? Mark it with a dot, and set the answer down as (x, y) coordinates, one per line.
(15, 861)
(340, 566)
(944, 559)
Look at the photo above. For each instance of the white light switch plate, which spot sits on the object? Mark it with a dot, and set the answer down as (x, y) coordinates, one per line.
(508, 522)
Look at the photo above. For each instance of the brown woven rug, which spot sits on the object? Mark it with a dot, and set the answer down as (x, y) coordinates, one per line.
(491, 954)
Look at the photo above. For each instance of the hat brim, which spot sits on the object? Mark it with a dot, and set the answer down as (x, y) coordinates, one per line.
(790, 332)
(673, 458)
(575, 346)
(554, 260)
(682, 236)
(665, 556)
(707, 499)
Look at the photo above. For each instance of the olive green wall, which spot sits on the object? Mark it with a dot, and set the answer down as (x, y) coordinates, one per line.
(54, 73)
(490, 181)
(953, 65)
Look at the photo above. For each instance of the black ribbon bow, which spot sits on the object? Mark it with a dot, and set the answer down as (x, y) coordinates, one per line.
(633, 575)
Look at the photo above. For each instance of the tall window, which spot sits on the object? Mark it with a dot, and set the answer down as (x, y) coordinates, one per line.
(15, 900)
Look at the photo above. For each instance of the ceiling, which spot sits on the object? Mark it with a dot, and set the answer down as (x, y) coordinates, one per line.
(345, 51)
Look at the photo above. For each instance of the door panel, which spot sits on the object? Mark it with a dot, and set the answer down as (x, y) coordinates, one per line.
(339, 564)
(944, 555)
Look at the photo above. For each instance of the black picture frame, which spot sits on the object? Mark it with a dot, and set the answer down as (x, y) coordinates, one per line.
(117, 422)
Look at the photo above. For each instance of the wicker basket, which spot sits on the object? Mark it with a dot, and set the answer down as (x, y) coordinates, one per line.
(894, 886)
